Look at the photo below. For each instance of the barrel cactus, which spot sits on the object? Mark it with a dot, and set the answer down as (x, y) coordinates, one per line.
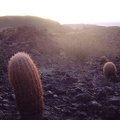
(109, 69)
(26, 83)
(103, 59)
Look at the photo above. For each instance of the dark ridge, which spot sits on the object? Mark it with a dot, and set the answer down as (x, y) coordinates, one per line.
(17, 21)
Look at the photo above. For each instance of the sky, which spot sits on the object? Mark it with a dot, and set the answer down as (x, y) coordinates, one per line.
(65, 11)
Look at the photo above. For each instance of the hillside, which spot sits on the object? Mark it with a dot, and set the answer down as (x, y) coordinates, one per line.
(29, 39)
(75, 87)
(90, 40)
(17, 21)
(81, 26)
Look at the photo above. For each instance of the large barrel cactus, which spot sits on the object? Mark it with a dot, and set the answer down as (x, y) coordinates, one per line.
(24, 77)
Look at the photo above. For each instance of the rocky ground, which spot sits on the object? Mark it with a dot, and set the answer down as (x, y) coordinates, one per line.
(72, 90)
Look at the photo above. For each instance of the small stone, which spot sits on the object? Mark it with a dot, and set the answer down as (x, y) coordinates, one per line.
(72, 92)
(109, 90)
(74, 105)
(56, 108)
(6, 105)
(78, 90)
(72, 109)
(47, 108)
(83, 107)
(48, 87)
(60, 91)
(5, 101)
(94, 105)
(12, 97)
(55, 96)
(66, 111)
(116, 93)
(70, 79)
(46, 115)
(1, 98)
(49, 94)
(101, 94)
(115, 100)
(112, 113)
(85, 97)
(82, 114)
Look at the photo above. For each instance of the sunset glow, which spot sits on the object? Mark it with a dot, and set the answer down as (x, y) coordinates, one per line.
(64, 11)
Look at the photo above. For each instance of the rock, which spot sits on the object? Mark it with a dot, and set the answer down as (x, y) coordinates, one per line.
(46, 115)
(60, 91)
(59, 73)
(74, 105)
(78, 90)
(109, 90)
(6, 106)
(85, 97)
(66, 111)
(70, 79)
(1, 98)
(115, 100)
(112, 113)
(117, 93)
(56, 108)
(12, 97)
(81, 115)
(101, 94)
(83, 107)
(45, 118)
(72, 92)
(55, 96)
(1, 104)
(66, 99)
(49, 94)
(94, 105)
(5, 101)
(48, 87)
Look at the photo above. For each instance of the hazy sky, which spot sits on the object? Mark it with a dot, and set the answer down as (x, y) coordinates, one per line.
(65, 11)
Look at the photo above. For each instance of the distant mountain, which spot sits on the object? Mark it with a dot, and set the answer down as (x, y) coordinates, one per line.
(18, 21)
(87, 28)
(81, 26)
(108, 24)
(93, 25)
(96, 29)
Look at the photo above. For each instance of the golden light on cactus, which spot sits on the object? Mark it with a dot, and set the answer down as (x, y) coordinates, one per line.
(25, 80)
(109, 69)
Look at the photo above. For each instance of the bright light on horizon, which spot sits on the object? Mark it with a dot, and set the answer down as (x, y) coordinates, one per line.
(64, 11)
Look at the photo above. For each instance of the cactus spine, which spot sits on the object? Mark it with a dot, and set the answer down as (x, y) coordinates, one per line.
(25, 80)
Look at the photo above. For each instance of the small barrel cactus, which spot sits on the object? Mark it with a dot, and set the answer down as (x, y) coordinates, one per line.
(109, 69)
(25, 80)
(103, 59)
